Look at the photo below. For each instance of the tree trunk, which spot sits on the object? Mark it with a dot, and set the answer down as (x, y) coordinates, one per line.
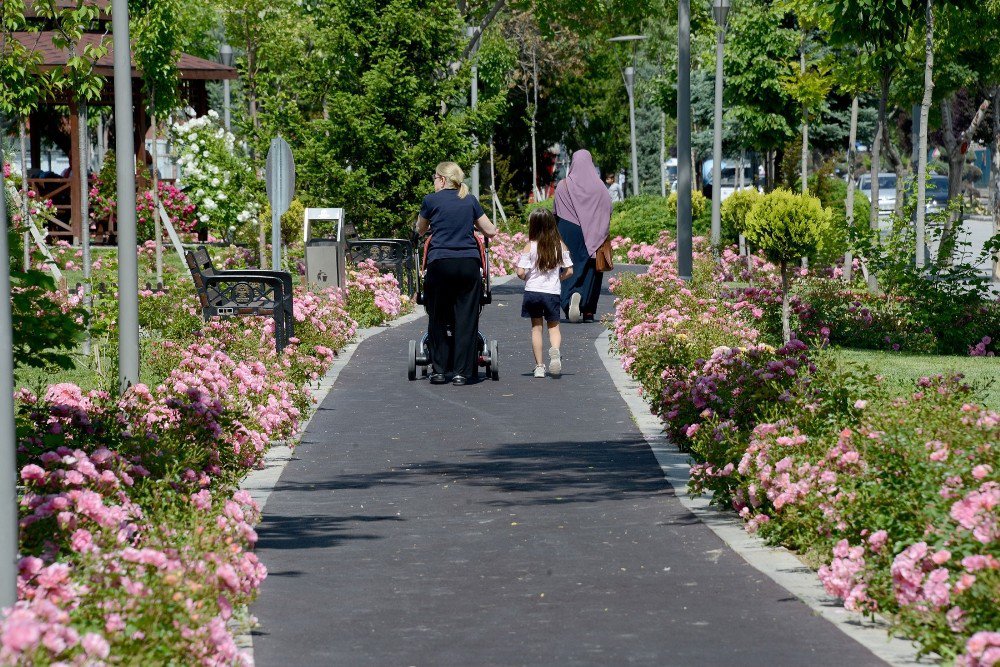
(83, 162)
(804, 177)
(535, 191)
(805, 124)
(876, 168)
(957, 147)
(851, 159)
(786, 327)
(663, 153)
(157, 225)
(925, 106)
(25, 206)
(900, 170)
(995, 180)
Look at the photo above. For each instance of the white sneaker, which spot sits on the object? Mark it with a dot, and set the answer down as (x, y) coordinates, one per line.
(574, 308)
(555, 362)
(540, 371)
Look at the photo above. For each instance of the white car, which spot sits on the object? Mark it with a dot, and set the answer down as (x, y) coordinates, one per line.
(886, 191)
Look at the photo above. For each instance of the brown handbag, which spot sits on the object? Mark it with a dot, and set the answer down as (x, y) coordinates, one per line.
(603, 256)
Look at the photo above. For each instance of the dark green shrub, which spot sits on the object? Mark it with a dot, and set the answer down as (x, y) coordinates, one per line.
(643, 218)
(734, 214)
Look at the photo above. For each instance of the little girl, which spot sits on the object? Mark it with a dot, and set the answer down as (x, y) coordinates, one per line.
(544, 262)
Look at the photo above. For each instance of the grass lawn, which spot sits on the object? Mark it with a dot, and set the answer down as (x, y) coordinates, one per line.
(901, 370)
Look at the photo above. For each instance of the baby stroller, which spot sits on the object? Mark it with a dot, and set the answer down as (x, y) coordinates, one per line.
(419, 353)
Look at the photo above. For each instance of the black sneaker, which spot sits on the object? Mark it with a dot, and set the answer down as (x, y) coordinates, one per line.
(438, 378)
(588, 317)
(459, 380)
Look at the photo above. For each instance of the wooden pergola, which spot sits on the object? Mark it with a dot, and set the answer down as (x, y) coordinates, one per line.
(51, 120)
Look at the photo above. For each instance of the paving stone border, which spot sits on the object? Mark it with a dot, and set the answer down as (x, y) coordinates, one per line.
(779, 564)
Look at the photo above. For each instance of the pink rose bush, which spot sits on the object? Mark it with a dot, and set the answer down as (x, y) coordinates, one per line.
(505, 250)
(897, 499)
(136, 544)
(374, 297)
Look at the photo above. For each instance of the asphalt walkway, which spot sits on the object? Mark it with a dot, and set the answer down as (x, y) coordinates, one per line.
(519, 522)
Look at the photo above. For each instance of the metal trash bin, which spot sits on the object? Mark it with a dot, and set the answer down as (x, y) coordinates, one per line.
(326, 260)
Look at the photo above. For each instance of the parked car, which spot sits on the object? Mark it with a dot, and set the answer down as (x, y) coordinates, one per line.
(936, 196)
(886, 191)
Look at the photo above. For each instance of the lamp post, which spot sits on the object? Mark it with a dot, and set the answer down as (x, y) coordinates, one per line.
(226, 55)
(685, 259)
(629, 76)
(128, 265)
(721, 9)
(472, 31)
(8, 437)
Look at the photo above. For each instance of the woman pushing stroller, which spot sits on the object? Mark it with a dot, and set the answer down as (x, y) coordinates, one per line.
(453, 284)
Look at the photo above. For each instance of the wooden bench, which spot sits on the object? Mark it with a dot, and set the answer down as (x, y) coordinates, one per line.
(243, 292)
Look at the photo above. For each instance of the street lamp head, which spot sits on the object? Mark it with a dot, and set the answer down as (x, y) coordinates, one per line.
(628, 38)
(226, 55)
(721, 11)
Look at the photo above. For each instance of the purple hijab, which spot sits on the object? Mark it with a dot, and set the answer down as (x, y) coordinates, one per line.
(583, 199)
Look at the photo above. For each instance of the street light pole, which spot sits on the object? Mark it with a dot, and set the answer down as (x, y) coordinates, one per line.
(8, 435)
(128, 265)
(226, 54)
(471, 31)
(629, 75)
(630, 86)
(721, 8)
(475, 105)
(685, 259)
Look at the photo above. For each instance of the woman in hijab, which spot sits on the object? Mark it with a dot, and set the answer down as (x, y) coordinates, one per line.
(583, 210)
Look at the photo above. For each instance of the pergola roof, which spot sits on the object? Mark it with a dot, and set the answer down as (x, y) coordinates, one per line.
(189, 67)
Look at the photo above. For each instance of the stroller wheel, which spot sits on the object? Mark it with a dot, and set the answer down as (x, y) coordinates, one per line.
(411, 361)
(494, 360)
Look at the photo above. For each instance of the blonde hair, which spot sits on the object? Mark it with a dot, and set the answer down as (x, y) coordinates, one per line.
(453, 177)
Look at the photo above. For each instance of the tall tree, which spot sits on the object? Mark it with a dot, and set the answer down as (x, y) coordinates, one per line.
(760, 43)
(156, 46)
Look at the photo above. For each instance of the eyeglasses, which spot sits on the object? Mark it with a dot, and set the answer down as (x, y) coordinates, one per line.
(437, 176)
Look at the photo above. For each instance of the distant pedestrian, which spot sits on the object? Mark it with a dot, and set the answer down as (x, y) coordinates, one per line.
(544, 262)
(583, 209)
(614, 188)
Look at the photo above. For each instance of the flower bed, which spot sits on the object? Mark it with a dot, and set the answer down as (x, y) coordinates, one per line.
(895, 499)
(136, 545)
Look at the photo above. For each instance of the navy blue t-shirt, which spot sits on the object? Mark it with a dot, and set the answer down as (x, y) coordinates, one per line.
(452, 224)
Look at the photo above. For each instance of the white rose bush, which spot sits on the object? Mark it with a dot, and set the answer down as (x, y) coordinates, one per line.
(220, 183)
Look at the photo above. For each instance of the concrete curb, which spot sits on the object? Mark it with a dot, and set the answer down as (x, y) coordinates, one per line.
(777, 563)
(260, 483)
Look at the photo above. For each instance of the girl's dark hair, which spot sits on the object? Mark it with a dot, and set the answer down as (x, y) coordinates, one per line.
(543, 231)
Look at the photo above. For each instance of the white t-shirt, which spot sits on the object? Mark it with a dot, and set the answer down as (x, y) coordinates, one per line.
(546, 282)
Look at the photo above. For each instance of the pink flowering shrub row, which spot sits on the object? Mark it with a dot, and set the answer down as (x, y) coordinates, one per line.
(903, 507)
(372, 296)
(135, 546)
(896, 500)
(505, 250)
(626, 251)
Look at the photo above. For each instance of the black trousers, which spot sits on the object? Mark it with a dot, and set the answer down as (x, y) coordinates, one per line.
(452, 292)
(586, 279)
